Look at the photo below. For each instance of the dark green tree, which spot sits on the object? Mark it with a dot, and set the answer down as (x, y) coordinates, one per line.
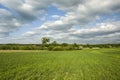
(45, 40)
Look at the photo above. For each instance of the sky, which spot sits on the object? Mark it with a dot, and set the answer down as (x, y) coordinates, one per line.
(64, 21)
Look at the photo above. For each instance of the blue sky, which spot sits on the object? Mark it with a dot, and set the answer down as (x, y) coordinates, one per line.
(71, 21)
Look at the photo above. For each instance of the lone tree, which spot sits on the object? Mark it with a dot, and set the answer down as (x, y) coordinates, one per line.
(45, 40)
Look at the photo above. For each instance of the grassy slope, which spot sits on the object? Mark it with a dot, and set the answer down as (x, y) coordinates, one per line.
(102, 64)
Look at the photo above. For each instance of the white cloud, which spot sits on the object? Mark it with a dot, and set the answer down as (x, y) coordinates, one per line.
(55, 16)
(78, 13)
(99, 30)
(108, 32)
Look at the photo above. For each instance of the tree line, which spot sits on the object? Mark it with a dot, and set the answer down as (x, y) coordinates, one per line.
(54, 46)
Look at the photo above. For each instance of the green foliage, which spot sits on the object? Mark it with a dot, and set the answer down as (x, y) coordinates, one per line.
(89, 64)
(54, 43)
(58, 48)
(54, 46)
(65, 46)
(50, 48)
(45, 40)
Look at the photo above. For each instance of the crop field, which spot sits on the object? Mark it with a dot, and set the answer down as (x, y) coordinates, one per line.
(87, 64)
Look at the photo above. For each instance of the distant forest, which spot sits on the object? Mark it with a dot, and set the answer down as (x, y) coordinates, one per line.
(54, 46)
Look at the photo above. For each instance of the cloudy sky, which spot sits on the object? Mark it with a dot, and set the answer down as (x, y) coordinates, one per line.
(80, 21)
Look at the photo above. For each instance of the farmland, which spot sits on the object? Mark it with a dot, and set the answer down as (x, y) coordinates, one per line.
(86, 64)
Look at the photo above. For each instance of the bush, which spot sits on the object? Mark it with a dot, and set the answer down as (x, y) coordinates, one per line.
(68, 48)
(58, 48)
(50, 48)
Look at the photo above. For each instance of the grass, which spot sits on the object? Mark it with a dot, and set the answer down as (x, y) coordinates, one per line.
(101, 64)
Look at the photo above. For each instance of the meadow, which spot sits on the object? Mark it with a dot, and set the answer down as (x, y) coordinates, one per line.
(86, 64)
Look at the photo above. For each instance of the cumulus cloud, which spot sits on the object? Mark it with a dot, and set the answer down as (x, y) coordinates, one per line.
(55, 16)
(108, 32)
(17, 14)
(8, 23)
(99, 30)
(79, 13)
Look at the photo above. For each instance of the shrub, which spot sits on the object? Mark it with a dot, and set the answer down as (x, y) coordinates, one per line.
(58, 48)
(50, 48)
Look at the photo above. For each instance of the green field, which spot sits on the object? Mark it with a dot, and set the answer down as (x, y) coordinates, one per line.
(88, 64)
